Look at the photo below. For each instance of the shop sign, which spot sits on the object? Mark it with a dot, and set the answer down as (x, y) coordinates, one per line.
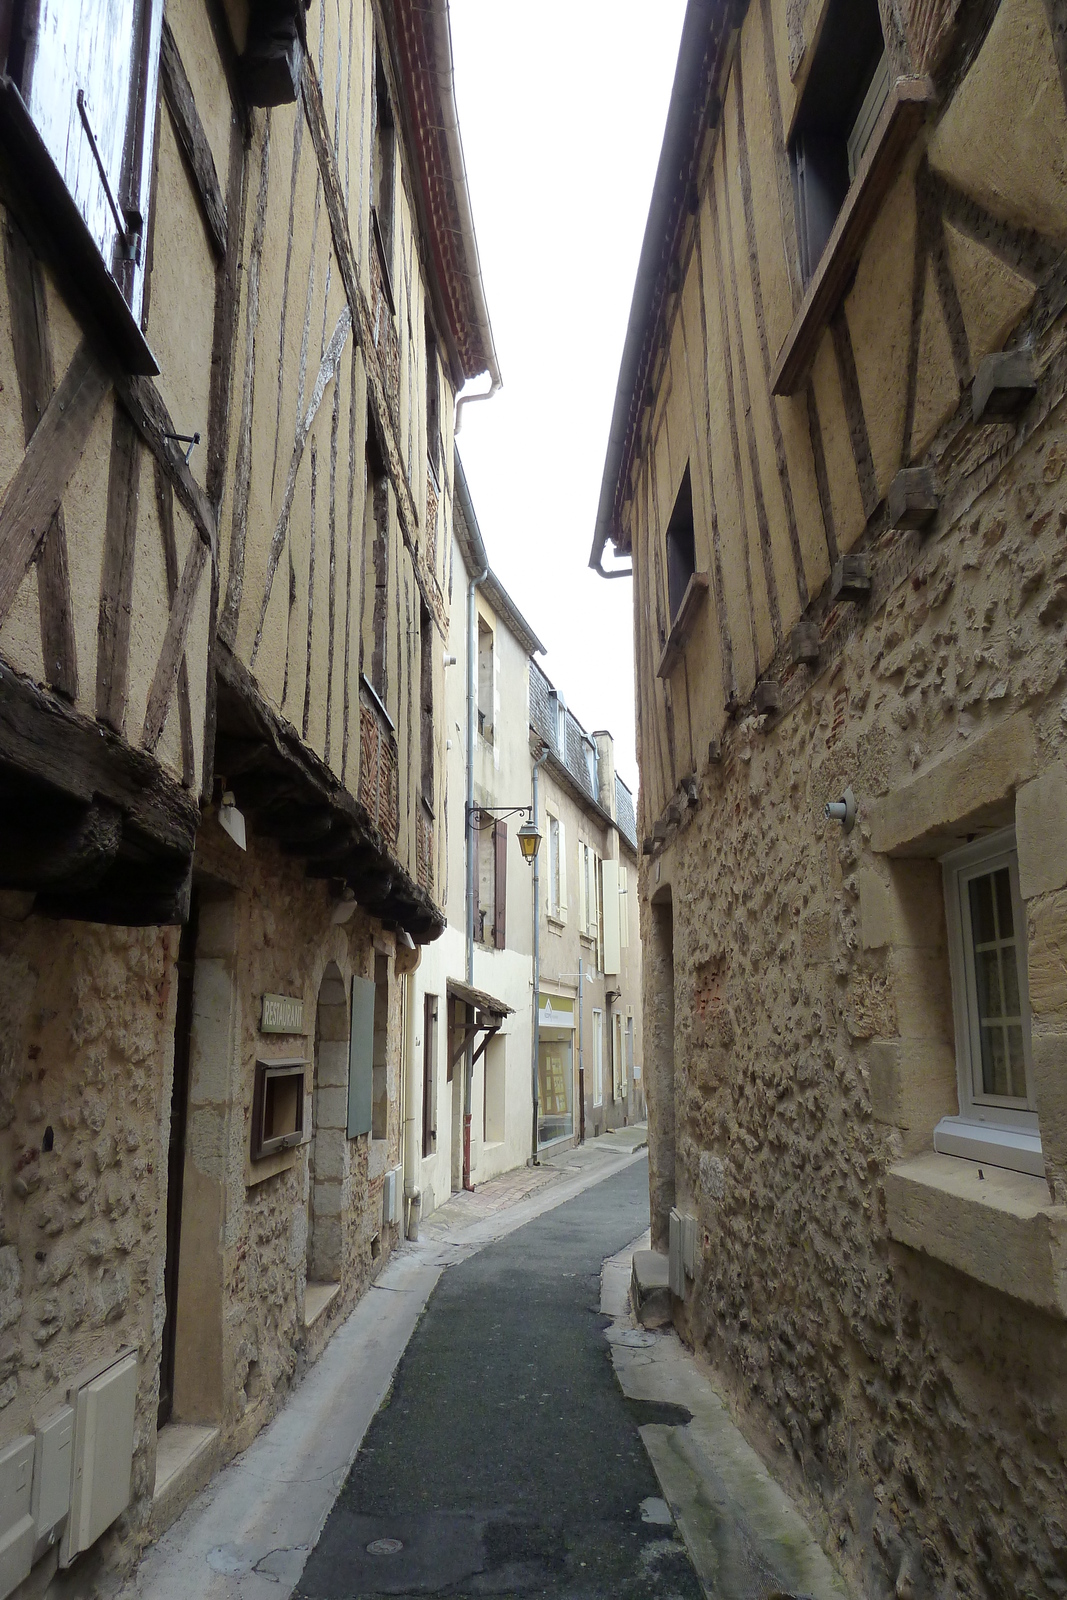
(282, 1013)
(555, 1012)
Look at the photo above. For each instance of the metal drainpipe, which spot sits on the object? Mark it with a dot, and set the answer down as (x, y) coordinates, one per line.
(581, 1058)
(535, 1031)
(472, 865)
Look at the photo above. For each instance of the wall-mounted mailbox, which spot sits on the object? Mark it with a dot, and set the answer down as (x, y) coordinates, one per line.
(277, 1107)
(51, 1477)
(104, 1406)
(16, 1521)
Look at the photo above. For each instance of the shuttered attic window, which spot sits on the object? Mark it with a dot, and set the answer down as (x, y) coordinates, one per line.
(846, 89)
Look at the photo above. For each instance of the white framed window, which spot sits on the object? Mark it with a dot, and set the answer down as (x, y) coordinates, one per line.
(986, 920)
(560, 710)
(90, 78)
(557, 869)
(598, 1058)
(633, 1067)
(588, 891)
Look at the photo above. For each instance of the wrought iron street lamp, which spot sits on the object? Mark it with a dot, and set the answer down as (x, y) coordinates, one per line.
(529, 835)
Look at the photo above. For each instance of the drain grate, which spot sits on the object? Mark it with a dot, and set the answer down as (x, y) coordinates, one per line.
(385, 1547)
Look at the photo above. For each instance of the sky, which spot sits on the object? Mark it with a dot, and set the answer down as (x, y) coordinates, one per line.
(562, 106)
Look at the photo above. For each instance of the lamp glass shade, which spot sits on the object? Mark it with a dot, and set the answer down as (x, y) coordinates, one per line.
(529, 839)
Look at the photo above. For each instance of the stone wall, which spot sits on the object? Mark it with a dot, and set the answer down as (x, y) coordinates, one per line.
(86, 1035)
(918, 1409)
(87, 1031)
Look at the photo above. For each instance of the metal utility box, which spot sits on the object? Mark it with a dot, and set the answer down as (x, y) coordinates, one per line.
(104, 1409)
(391, 1196)
(16, 1520)
(52, 1461)
(682, 1251)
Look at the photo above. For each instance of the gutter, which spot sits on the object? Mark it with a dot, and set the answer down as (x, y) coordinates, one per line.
(705, 32)
(468, 1061)
(446, 90)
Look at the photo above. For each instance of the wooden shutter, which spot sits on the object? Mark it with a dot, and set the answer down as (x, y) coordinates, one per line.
(562, 872)
(500, 883)
(361, 1058)
(583, 915)
(624, 907)
(612, 942)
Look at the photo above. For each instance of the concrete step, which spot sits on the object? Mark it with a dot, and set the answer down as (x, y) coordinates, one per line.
(650, 1289)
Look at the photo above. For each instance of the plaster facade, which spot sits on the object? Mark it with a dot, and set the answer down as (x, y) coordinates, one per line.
(590, 921)
(888, 1319)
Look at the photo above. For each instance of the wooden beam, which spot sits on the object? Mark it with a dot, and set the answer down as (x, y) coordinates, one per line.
(42, 850)
(165, 510)
(128, 895)
(44, 738)
(181, 103)
(116, 581)
(147, 411)
(173, 652)
(34, 366)
(35, 493)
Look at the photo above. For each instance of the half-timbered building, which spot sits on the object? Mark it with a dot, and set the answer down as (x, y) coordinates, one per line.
(240, 293)
(837, 465)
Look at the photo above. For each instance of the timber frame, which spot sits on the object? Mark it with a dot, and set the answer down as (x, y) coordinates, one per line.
(294, 798)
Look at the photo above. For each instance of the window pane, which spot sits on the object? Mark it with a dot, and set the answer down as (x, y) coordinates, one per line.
(987, 976)
(983, 923)
(1009, 972)
(1016, 1062)
(1005, 919)
(994, 1060)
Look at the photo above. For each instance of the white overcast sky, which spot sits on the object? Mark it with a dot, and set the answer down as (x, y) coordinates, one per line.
(562, 106)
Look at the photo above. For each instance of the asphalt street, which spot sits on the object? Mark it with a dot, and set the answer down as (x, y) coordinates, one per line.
(506, 1460)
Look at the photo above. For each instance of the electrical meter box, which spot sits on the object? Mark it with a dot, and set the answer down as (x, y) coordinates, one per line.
(16, 1521)
(52, 1458)
(104, 1407)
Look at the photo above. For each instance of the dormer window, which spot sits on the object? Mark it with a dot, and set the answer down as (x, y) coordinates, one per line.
(847, 87)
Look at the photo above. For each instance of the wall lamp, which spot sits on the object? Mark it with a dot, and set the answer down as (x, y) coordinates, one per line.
(529, 835)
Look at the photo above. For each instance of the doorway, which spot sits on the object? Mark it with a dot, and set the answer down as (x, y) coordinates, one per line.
(179, 1119)
(659, 1065)
(329, 1132)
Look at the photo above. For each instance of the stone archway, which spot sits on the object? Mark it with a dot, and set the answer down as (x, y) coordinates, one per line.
(326, 1152)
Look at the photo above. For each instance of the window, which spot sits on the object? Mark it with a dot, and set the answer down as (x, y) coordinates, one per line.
(433, 405)
(485, 680)
(633, 1068)
(591, 766)
(598, 1058)
(376, 543)
(429, 1074)
(88, 71)
(991, 1009)
(380, 1058)
(681, 546)
(846, 89)
(383, 166)
(491, 844)
(560, 724)
(554, 896)
(426, 703)
(588, 891)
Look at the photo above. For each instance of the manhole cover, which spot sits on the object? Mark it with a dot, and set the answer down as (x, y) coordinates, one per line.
(634, 1339)
(385, 1547)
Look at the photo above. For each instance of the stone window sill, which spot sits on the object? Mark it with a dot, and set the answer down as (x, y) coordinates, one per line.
(897, 126)
(1001, 1230)
(557, 924)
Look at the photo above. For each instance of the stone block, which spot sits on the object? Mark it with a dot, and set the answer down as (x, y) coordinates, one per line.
(331, 1064)
(908, 910)
(1004, 383)
(922, 990)
(804, 644)
(1049, 1056)
(851, 578)
(913, 1085)
(1041, 832)
(331, 1107)
(999, 1229)
(913, 498)
(967, 787)
(1046, 956)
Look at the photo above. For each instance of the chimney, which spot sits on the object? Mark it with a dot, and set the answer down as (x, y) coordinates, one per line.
(605, 745)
